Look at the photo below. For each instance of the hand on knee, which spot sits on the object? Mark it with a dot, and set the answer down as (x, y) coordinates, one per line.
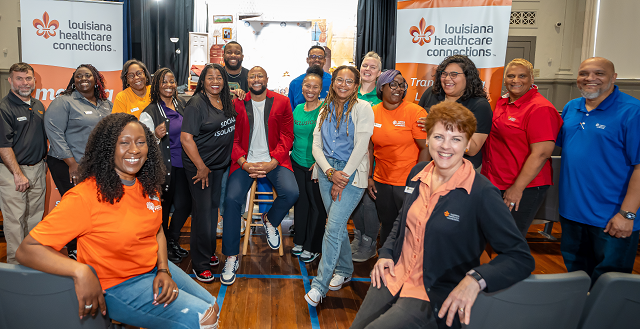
(210, 318)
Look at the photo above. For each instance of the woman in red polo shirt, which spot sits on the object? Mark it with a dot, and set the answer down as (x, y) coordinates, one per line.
(523, 136)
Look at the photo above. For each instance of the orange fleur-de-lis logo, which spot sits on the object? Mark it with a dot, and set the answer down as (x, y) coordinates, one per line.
(422, 34)
(45, 27)
(446, 214)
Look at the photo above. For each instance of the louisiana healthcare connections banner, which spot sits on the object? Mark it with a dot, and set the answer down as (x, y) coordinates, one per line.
(58, 36)
(428, 31)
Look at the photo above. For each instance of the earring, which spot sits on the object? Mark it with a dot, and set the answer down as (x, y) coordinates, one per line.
(467, 150)
(95, 86)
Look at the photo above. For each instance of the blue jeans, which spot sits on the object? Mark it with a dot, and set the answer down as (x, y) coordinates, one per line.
(588, 248)
(238, 185)
(336, 251)
(131, 301)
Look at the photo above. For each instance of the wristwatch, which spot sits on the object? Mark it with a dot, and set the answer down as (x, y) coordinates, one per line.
(476, 276)
(627, 214)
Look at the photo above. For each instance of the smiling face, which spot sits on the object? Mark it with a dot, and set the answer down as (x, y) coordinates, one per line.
(84, 80)
(233, 56)
(447, 147)
(344, 84)
(168, 86)
(394, 96)
(22, 83)
(453, 87)
(257, 80)
(518, 81)
(131, 151)
(136, 78)
(369, 70)
(213, 82)
(596, 77)
(316, 57)
(311, 87)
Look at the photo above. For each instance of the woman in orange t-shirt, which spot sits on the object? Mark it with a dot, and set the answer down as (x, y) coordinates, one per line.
(136, 89)
(115, 214)
(397, 144)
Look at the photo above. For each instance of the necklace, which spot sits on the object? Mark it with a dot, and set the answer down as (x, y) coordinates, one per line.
(234, 76)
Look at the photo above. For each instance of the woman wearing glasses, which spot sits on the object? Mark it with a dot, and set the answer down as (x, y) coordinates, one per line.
(135, 94)
(340, 145)
(458, 80)
(164, 117)
(397, 144)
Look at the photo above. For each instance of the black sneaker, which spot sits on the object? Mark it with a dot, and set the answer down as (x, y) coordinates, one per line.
(177, 249)
(214, 260)
(204, 276)
(172, 256)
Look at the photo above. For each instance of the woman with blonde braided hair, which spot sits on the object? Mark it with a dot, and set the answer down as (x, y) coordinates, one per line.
(340, 148)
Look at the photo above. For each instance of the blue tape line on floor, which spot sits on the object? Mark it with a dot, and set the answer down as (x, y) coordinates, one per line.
(315, 324)
(220, 298)
(260, 276)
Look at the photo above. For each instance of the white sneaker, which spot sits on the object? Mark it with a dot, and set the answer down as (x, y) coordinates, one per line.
(273, 236)
(219, 228)
(337, 281)
(228, 275)
(313, 297)
(296, 250)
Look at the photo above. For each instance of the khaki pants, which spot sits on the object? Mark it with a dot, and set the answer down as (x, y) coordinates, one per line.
(21, 210)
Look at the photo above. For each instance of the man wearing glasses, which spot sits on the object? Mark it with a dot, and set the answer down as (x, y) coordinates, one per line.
(316, 57)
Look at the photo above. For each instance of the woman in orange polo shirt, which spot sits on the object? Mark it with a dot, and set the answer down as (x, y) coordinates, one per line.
(115, 214)
(427, 271)
(136, 85)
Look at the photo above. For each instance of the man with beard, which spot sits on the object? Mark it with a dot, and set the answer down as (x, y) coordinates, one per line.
(600, 174)
(263, 138)
(315, 57)
(235, 72)
(23, 146)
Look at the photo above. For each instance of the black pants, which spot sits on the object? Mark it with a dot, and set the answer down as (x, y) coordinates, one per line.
(203, 222)
(365, 217)
(178, 196)
(531, 200)
(309, 214)
(60, 173)
(380, 309)
(388, 202)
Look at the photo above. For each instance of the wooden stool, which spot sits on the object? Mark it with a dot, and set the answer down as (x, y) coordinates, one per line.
(250, 224)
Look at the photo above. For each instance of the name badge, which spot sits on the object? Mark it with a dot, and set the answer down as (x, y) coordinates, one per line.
(408, 190)
(88, 112)
(22, 119)
(377, 125)
(135, 109)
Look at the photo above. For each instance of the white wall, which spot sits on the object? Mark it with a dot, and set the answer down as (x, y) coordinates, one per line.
(9, 23)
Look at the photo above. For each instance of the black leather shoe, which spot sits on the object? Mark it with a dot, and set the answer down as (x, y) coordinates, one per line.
(177, 249)
(172, 256)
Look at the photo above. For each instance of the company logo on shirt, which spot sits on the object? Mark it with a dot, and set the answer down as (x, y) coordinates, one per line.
(600, 126)
(422, 33)
(398, 123)
(153, 207)
(512, 119)
(46, 28)
(453, 217)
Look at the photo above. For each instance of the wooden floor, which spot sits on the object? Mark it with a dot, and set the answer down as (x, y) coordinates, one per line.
(269, 291)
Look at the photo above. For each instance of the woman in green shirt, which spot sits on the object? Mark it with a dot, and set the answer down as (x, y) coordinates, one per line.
(309, 212)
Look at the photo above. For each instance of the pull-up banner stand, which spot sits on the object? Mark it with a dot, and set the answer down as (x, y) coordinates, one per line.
(428, 31)
(58, 36)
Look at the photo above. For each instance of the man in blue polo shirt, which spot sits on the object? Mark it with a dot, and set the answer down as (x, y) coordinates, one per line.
(600, 174)
(315, 57)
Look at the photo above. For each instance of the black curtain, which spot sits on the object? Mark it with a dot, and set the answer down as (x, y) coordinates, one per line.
(377, 31)
(160, 21)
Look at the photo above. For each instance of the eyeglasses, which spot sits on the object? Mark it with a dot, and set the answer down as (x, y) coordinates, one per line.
(453, 75)
(320, 57)
(138, 74)
(396, 85)
(341, 81)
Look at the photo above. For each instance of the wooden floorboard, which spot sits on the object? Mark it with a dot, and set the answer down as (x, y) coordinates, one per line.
(265, 302)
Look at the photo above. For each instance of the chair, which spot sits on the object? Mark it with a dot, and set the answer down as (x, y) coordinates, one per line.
(550, 301)
(250, 224)
(548, 211)
(614, 302)
(34, 299)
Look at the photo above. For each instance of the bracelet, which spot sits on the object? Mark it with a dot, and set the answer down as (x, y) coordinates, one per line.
(242, 166)
(165, 271)
(330, 174)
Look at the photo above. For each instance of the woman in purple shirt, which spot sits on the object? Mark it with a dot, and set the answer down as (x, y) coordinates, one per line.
(164, 117)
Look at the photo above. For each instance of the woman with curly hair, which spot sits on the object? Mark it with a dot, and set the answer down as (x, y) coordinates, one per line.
(68, 122)
(135, 94)
(207, 141)
(458, 80)
(164, 117)
(116, 215)
(340, 148)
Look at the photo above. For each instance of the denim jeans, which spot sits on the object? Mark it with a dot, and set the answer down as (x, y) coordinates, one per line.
(131, 301)
(588, 248)
(336, 251)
